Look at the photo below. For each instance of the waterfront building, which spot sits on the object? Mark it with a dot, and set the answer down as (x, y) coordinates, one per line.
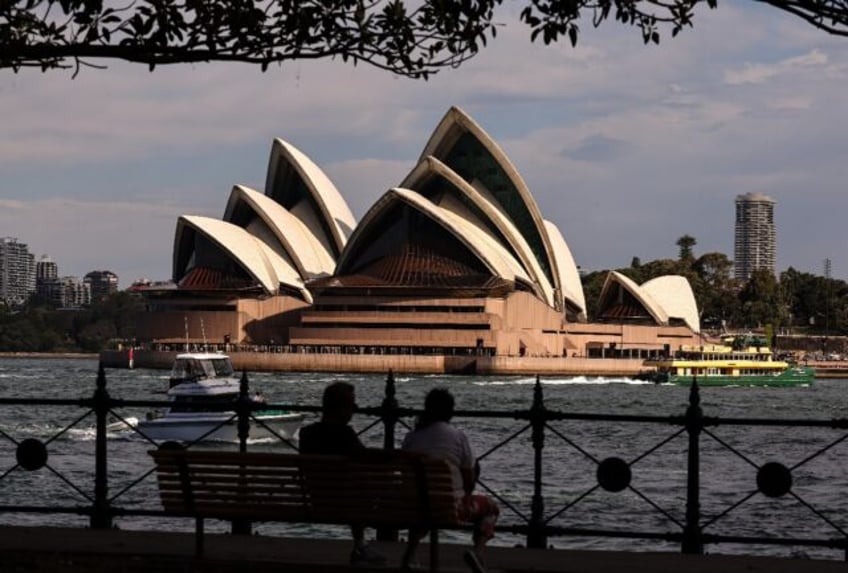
(456, 260)
(73, 292)
(68, 292)
(46, 269)
(755, 243)
(101, 284)
(46, 275)
(17, 272)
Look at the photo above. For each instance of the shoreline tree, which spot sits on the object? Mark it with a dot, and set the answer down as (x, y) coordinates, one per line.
(408, 38)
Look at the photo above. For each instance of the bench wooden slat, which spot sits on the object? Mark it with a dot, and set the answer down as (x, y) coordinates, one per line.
(397, 489)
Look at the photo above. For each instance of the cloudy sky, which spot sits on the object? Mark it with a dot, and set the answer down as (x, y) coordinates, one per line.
(625, 147)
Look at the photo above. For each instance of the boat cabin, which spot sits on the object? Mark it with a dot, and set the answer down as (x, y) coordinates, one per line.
(194, 367)
(203, 403)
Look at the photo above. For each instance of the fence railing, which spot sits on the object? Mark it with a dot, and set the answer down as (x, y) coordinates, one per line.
(688, 526)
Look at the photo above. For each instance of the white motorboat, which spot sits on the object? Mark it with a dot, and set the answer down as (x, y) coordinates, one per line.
(199, 384)
(116, 424)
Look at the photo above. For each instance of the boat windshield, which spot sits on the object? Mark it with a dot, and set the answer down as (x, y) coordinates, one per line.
(200, 368)
(202, 403)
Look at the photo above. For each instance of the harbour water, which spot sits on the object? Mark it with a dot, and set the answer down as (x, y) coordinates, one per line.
(730, 454)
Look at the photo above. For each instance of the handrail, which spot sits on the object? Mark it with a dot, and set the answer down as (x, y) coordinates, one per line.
(693, 531)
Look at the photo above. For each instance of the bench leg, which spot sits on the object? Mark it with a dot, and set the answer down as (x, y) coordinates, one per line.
(434, 550)
(198, 536)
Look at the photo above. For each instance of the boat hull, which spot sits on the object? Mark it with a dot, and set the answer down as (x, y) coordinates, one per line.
(798, 376)
(224, 427)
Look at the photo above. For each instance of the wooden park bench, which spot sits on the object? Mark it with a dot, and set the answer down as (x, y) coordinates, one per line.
(395, 490)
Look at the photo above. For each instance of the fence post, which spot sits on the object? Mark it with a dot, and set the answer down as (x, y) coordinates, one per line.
(536, 536)
(101, 517)
(390, 418)
(243, 411)
(692, 541)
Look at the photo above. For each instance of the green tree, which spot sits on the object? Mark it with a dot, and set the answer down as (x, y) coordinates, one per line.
(718, 302)
(32, 329)
(592, 284)
(658, 268)
(39, 327)
(762, 301)
(407, 38)
(816, 302)
(686, 243)
(404, 37)
(113, 317)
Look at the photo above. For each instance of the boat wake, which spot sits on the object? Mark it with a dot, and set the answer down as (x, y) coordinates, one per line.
(569, 380)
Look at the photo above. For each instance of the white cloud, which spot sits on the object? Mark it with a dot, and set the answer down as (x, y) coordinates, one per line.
(751, 74)
(626, 147)
(759, 73)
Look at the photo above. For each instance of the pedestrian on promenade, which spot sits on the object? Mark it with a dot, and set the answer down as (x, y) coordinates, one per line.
(435, 436)
(333, 435)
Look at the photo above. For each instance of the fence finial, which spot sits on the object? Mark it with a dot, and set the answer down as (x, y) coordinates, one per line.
(390, 385)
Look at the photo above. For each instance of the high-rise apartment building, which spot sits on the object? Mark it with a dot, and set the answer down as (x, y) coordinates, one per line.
(74, 292)
(17, 272)
(65, 292)
(46, 277)
(755, 242)
(46, 269)
(101, 283)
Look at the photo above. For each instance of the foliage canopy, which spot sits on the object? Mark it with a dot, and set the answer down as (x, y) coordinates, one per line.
(405, 37)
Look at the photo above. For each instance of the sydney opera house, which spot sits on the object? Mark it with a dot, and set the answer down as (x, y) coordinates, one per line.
(457, 260)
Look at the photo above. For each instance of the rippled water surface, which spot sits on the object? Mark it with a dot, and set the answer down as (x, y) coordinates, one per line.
(730, 454)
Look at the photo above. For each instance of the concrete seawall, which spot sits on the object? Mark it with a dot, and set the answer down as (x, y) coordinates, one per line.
(417, 364)
(410, 364)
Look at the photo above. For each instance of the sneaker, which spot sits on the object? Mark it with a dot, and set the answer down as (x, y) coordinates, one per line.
(473, 561)
(366, 556)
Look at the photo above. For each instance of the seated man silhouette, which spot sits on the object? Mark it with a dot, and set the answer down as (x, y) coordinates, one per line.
(334, 436)
(435, 436)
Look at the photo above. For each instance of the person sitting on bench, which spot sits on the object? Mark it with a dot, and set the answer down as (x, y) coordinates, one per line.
(434, 435)
(334, 436)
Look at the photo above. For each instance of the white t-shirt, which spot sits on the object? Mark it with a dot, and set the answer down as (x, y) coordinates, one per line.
(444, 441)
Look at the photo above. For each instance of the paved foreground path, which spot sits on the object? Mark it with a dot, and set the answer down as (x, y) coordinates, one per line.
(78, 550)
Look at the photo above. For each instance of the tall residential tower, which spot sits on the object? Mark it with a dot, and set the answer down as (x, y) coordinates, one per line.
(755, 243)
(17, 272)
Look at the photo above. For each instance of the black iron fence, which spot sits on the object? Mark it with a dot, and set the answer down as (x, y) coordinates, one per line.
(688, 526)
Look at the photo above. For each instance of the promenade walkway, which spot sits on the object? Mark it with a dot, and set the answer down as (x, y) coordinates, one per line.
(65, 550)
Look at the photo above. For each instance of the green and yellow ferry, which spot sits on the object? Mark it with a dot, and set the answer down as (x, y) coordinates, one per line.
(738, 361)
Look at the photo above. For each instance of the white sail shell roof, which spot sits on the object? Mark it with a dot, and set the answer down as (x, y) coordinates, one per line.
(332, 209)
(307, 253)
(572, 286)
(675, 295)
(491, 254)
(645, 299)
(251, 254)
(452, 126)
(495, 216)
